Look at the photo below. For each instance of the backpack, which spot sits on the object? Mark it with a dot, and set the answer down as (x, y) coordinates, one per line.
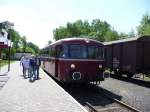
(32, 62)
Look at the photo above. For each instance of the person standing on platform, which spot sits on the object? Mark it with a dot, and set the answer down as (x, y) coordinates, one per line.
(21, 63)
(32, 64)
(38, 63)
(25, 64)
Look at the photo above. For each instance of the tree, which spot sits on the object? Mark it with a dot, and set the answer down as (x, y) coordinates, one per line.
(6, 25)
(15, 38)
(144, 27)
(19, 43)
(49, 42)
(98, 30)
(60, 33)
(35, 48)
(111, 35)
(24, 43)
(123, 35)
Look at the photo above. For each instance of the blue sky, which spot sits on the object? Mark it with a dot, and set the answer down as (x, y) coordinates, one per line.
(36, 19)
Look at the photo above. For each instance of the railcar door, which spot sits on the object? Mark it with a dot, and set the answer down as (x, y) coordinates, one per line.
(116, 56)
(59, 53)
(146, 55)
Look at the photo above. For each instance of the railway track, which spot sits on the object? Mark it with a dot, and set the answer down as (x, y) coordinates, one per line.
(95, 96)
(117, 106)
(96, 99)
(91, 108)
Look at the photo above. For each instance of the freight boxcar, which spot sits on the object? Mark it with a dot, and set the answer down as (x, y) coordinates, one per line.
(128, 56)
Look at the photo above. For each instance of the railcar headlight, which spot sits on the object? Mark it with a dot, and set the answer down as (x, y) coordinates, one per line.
(72, 66)
(100, 66)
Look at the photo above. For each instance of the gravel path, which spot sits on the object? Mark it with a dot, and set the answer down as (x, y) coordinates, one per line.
(132, 94)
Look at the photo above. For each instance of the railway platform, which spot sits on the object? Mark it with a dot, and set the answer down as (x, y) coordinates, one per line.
(43, 95)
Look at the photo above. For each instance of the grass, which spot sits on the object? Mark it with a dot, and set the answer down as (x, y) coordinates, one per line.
(147, 78)
(4, 62)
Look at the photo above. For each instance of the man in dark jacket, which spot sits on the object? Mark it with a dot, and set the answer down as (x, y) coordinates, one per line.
(37, 66)
(32, 64)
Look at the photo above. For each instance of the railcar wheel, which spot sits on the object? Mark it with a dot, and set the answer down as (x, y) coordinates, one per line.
(129, 75)
(118, 73)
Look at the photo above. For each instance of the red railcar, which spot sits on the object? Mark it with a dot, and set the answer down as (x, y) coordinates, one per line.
(74, 60)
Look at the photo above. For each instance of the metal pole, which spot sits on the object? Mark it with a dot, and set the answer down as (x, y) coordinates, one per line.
(0, 60)
(9, 59)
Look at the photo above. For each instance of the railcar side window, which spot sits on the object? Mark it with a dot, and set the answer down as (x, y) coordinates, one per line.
(78, 51)
(52, 52)
(45, 53)
(62, 51)
(59, 51)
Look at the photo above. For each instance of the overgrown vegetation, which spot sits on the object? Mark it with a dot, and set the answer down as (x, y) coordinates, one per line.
(20, 43)
(99, 30)
(4, 62)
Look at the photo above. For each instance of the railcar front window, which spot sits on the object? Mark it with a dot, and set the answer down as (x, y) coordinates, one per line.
(65, 53)
(95, 52)
(78, 51)
(99, 53)
(91, 52)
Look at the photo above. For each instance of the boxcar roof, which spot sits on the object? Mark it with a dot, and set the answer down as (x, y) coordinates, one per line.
(125, 40)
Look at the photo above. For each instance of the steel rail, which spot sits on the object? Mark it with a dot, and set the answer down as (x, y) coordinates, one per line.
(91, 107)
(122, 103)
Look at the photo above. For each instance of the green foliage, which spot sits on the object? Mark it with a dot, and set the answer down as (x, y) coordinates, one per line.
(49, 42)
(6, 25)
(20, 43)
(24, 43)
(123, 35)
(144, 27)
(111, 35)
(98, 30)
(28, 49)
(15, 38)
(32, 46)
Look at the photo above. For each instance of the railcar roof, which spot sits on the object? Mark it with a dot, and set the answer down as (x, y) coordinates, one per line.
(122, 40)
(76, 39)
(72, 39)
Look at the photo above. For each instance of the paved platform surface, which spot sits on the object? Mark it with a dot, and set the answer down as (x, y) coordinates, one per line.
(44, 95)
